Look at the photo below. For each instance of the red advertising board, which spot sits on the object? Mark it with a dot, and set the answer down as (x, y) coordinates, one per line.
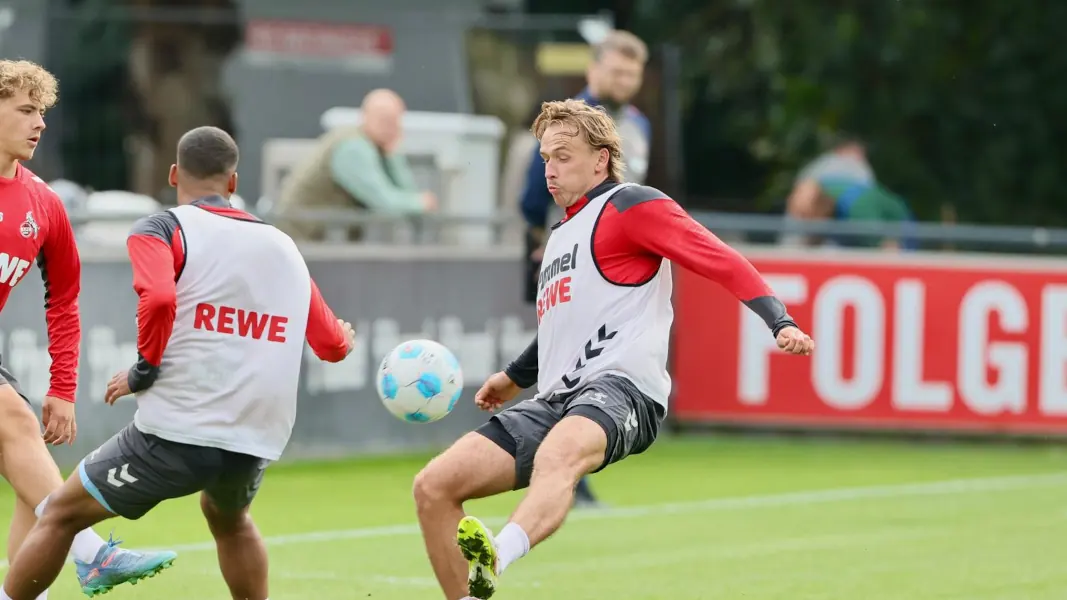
(353, 47)
(902, 342)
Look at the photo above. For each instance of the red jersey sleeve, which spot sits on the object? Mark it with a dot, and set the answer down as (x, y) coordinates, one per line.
(156, 256)
(60, 266)
(663, 228)
(658, 225)
(324, 333)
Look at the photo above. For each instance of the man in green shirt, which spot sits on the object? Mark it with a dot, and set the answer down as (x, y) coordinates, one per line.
(355, 167)
(849, 200)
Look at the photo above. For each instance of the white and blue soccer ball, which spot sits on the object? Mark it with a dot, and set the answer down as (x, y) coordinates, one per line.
(420, 381)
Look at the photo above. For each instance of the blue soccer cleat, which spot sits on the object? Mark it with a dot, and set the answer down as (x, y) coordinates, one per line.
(114, 566)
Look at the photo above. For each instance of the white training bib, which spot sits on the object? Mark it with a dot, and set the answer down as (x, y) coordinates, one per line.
(588, 326)
(230, 372)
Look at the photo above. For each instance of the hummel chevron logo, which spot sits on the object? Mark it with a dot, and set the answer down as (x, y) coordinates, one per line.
(602, 336)
(124, 474)
(591, 352)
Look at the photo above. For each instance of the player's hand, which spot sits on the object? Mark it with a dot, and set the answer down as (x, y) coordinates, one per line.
(496, 390)
(538, 254)
(350, 335)
(57, 416)
(795, 341)
(118, 387)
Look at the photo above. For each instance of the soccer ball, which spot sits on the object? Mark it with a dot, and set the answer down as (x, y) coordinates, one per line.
(420, 381)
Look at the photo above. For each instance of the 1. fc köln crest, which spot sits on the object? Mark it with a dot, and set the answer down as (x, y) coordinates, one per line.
(29, 227)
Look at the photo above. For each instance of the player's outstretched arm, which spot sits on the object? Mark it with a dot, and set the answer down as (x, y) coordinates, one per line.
(657, 224)
(330, 338)
(60, 266)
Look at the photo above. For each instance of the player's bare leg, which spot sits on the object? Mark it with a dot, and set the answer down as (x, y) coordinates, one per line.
(573, 448)
(70, 511)
(22, 520)
(242, 552)
(474, 467)
(41, 557)
(27, 465)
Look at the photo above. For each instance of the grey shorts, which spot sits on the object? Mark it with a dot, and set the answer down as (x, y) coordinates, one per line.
(133, 472)
(8, 378)
(630, 419)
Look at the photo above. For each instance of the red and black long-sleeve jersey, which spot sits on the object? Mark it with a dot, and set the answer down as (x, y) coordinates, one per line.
(157, 254)
(641, 226)
(34, 226)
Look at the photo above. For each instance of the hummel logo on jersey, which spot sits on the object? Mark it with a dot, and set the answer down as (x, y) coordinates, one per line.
(594, 396)
(560, 264)
(558, 291)
(593, 348)
(249, 323)
(631, 421)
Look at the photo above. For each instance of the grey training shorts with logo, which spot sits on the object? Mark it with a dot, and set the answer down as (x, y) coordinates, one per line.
(133, 472)
(630, 419)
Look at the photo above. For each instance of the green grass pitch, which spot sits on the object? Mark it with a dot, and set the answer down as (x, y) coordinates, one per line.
(694, 518)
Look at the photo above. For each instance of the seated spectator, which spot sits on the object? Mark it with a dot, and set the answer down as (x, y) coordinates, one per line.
(846, 161)
(840, 185)
(355, 167)
(844, 200)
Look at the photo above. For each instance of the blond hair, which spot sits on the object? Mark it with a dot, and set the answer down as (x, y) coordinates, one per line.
(23, 75)
(593, 124)
(624, 43)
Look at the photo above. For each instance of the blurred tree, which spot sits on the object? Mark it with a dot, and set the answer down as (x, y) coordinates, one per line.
(91, 55)
(176, 75)
(958, 106)
(135, 75)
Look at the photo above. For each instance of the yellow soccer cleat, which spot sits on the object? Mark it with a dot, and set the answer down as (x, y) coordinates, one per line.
(479, 548)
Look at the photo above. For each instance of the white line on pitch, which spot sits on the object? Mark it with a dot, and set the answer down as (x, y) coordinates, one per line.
(848, 494)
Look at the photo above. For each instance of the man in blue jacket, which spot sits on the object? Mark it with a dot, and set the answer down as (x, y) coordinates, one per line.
(614, 77)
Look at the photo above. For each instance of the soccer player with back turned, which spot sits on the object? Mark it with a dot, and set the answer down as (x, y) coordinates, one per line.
(599, 360)
(225, 305)
(34, 227)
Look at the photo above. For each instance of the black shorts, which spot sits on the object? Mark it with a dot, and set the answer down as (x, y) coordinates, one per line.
(8, 378)
(630, 419)
(133, 472)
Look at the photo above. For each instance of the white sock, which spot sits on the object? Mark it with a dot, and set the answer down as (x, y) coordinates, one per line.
(86, 544)
(40, 507)
(43, 596)
(511, 545)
